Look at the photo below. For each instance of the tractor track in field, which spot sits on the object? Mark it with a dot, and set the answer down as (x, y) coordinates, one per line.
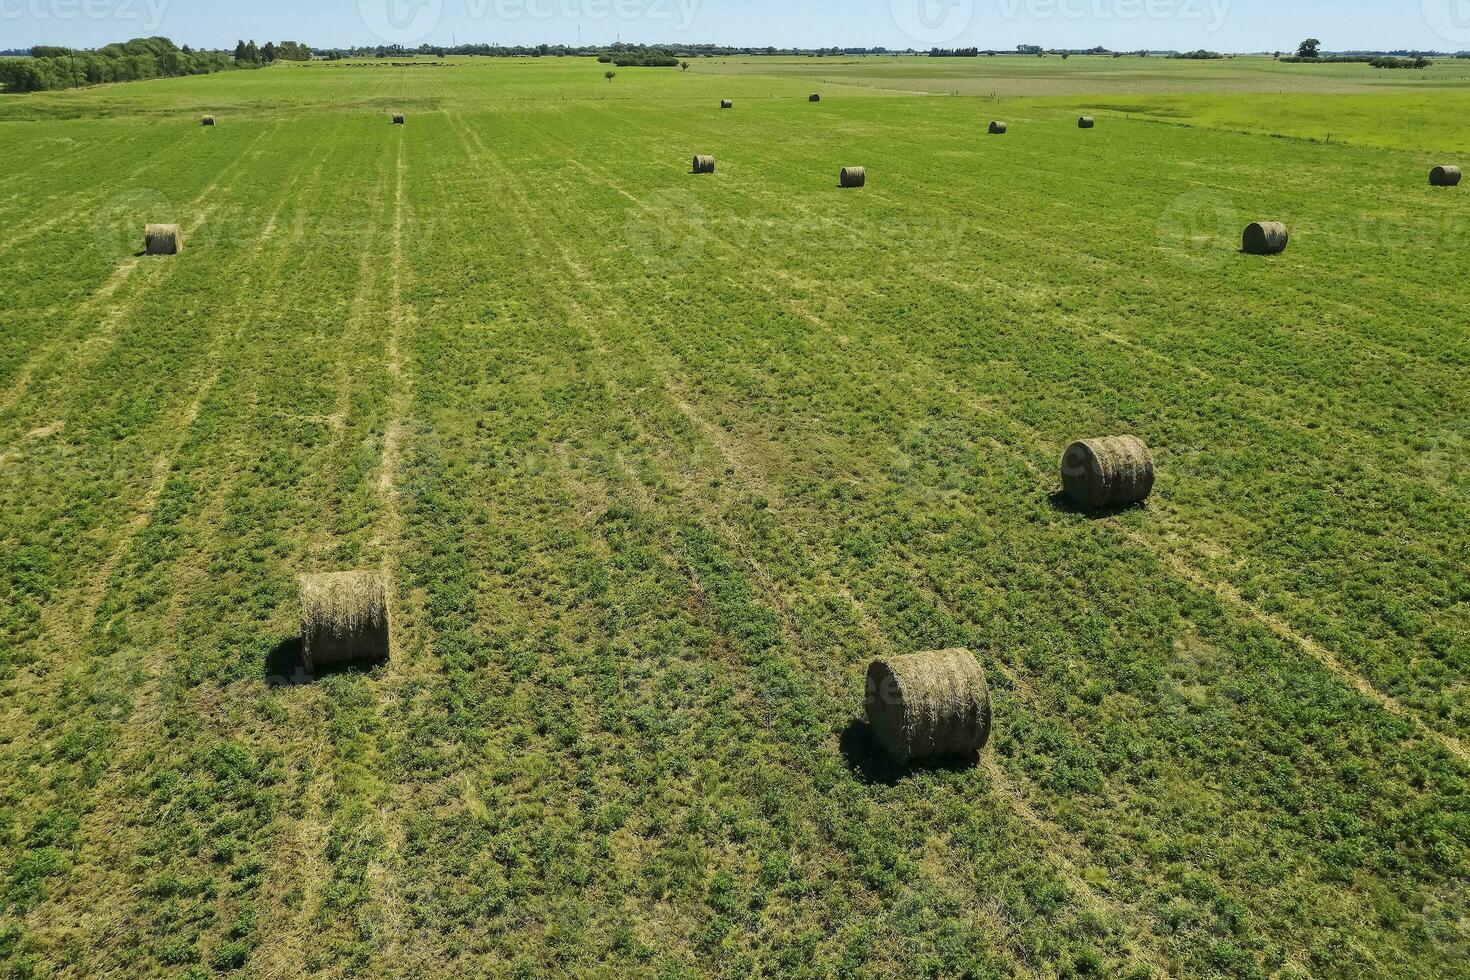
(1230, 596)
(31, 437)
(386, 872)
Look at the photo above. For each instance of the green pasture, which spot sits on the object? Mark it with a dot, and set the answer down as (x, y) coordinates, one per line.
(658, 463)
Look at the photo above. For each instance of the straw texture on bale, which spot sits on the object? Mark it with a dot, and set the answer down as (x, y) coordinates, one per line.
(162, 240)
(815, 98)
(998, 128)
(207, 121)
(1086, 122)
(704, 164)
(1265, 238)
(398, 119)
(1444, 176)
(344, 619)
(854, 176)
(929, 704)
(726, 104)
(1117, 471)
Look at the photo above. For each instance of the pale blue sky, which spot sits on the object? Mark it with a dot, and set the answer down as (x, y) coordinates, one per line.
(1228, 25)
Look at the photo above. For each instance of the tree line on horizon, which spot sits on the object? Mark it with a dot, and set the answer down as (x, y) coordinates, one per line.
(50, 67)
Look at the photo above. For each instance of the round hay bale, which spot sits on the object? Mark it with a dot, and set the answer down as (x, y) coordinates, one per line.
(998, 128)
(344, 619)
(853, 176)
(1099, 474)
(1086, 122)
(1444, 176)
(929, 704)
(814, 98)
(207, 121)
(704, 164)
(726, 104)
(162, 240)
(398, 119)
(1265, 238)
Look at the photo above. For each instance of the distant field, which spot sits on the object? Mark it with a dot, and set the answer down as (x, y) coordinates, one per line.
(658, 463)
(1017, 76)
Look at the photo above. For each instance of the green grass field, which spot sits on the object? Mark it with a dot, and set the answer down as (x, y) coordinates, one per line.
(658, 463)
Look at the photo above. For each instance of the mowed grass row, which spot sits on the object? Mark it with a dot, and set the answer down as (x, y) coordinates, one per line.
(664, 485)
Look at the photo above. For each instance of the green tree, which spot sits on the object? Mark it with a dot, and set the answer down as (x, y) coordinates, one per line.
(240, 54)
(268, 53)
(252, 53)
(609, 75)
(1310, 48)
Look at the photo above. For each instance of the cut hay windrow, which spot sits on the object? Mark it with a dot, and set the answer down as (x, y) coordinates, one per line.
(1444, 176)
(998, 128)
(207, 121)
(929, 704)
(162, 240)
(1086, 122)
(344, 619)
(1265, 238)
(1100, 474)
(853, 176)
(704, 164)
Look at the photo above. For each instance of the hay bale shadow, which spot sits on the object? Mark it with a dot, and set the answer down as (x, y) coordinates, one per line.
(285, 666)
(1064, 504)
(871, 764)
